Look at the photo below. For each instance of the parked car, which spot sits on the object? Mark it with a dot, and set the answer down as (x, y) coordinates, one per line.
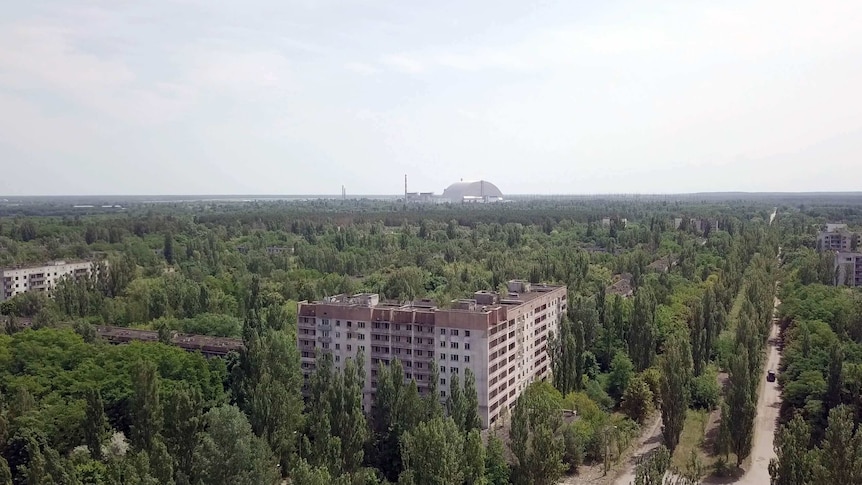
(770, 375)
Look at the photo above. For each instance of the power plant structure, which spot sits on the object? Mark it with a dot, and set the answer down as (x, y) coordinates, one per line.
(480, 191)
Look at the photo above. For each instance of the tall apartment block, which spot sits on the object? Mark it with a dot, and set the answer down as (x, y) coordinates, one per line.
(502, 339)
(836, 237)
(848, 269)
(39, 278)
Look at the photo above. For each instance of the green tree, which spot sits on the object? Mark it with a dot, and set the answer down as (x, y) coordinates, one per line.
(470, 403)
(741, 407)
(841, 456)
(637, 400)
(96, 427)
(323, 447)
(228, 451)
(835, 381)
(474, 459)
(534, 441)
(675, 365)
(642, 341)
(455, 405)
(796, 462)
(621, 373)
(432, 453)
(5, 473)
(348, 419)
(168, 249)
(496, 466)
(146, 411)
(183, 425)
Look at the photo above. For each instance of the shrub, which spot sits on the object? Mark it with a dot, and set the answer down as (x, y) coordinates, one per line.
(704, 390)
(637, 400)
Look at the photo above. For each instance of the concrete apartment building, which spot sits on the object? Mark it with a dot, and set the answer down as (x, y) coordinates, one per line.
(848, 269)
(836, 237)
(502, 339)
(40, 278)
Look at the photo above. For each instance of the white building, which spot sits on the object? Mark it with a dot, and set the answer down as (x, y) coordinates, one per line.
(40, 278)
(503, 340)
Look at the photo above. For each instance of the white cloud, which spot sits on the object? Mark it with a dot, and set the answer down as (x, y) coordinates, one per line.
(361, 68)
(403, 63)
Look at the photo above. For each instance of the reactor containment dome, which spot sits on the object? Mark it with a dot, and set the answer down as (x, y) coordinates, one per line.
(479, 191)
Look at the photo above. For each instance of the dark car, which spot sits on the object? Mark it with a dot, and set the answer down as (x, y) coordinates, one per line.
(770, 375)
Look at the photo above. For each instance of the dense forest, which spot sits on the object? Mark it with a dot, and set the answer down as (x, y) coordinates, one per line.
(687, 341)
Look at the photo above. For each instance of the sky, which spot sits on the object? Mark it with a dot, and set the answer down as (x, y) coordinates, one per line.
(539, 97)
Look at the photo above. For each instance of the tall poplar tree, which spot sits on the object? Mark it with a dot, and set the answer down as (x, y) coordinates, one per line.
(675, 366)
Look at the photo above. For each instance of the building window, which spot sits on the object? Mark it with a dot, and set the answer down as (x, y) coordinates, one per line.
(442, 393)
(453, 332)
(408, 328)
(454, 345)
(338, 358)
(466, 358)
(349, 324)
(466, 333)
(442, 331)
(338, 323)
(443, 344)
(361, 324)
(466, 346)
(337, 334)
(442, 356)
(455, 370)
(420, 353)
(337, 346)
(397, 327)
(408, 375)
(419, 365)
(454, 357)
(443, 370)
(349, 347)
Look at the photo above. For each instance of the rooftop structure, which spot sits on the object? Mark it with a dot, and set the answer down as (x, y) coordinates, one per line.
(14, 281)
(502, 339)
(621, 286)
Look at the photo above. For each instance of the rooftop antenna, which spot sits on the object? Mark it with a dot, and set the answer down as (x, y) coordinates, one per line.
(405, 187)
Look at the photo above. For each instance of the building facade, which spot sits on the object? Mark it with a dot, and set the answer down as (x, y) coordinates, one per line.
(502, 339)
(848, 269)
(40, 278)
(836, 237)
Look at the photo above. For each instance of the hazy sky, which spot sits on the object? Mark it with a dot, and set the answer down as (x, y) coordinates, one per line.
(302, 96)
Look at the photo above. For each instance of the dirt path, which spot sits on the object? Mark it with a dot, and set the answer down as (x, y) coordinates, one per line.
(650, 440)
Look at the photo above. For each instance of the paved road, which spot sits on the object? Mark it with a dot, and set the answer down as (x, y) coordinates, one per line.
(768, 405)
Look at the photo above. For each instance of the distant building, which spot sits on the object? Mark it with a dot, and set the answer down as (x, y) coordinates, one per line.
(421, 197)
(848, 269)
(502, 339)
(40, 278)
(836, 237)
(700, 225)
(480, 191)
(621, 286)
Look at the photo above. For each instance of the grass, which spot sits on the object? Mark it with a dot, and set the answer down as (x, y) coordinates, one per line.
(692, 438)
